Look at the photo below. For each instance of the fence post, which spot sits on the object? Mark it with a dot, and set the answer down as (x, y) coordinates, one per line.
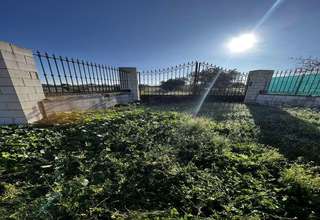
(195, 78)
(20, 87)
(131, 81)
(257, 82)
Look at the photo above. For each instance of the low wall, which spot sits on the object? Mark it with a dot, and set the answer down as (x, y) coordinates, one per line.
(280, 100)
(58, 104)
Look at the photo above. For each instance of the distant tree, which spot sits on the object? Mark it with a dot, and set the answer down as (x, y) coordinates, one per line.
(173, 84)
(225, 79)
(238, 85)
(307, 64)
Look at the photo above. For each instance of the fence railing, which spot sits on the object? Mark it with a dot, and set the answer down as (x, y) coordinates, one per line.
(192, 79)
(62, 75)
(295, 82)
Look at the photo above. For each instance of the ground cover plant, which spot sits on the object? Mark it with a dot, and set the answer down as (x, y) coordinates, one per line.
(142, 163)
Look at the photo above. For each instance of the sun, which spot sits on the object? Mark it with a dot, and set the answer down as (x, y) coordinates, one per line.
(242, 43)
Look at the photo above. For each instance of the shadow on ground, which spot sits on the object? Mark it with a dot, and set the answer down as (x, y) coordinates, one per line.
(295, 137)
(294, 131)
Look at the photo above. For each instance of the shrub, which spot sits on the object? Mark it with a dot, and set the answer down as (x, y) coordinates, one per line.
(140, 164)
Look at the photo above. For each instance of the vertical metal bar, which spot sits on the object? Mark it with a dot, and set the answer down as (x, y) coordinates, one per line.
(271, 85)
(44, 72)
(289, 81)
(59, 76)
(297, 78)
(179, 76)
(70, 72)
(162, 78)
(86, 76)
(76, 76)
(156, 82)
(199, 90)
(311, 85)
(112, 79)
(188, 78)
(183, 69)
(317, 88)
(94, 77)
(282, 80)
(300, 82)
(139, 83)
(195, 78)
(118, 78)
(64, 73)
(150, 88)
(97, 75)
(285, 81)
(86, 70)
(108, 78)
(278, 81)
(81, 77)
(114, 69)
(52, 75)
(150, 73)
(306, 83)
(102, 79)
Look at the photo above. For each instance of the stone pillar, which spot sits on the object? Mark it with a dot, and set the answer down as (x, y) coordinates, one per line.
(131, 81)
(258, 80)
(20, 87)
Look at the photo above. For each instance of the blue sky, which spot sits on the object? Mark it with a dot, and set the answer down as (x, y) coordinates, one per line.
(158, 33)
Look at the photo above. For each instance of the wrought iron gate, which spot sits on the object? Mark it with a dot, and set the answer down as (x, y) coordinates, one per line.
(191, 80)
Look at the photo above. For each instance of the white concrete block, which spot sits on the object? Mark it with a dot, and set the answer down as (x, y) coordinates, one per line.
(20, 87)
(8, 55)
(30, 60)
(4, 46)
(21, 51)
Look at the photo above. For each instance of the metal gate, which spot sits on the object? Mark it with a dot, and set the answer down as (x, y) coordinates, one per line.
(190, 81)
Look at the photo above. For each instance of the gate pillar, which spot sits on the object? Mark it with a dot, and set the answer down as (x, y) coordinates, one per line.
(20, 87)
(257, 82)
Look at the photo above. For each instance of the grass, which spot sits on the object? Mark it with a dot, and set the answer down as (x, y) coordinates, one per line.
(143, 163)
(294, 131)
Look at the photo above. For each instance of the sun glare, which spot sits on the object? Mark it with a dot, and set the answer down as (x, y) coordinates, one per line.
(242, 43)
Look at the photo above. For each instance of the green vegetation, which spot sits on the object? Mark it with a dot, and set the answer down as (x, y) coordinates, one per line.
(141, 163)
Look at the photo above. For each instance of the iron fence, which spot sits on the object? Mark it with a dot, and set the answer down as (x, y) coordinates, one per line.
(192, 79)
(299, 82)
(62, 75)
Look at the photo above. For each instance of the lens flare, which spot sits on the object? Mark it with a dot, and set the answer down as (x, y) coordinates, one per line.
(242, 43)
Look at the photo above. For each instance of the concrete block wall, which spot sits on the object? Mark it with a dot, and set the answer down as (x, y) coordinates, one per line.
(284, 100)
(258, 81)
(52, 105)
(20, 87)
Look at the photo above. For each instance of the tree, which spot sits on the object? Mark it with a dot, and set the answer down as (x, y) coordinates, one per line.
(173, 84)
(224, 80)
(307, 64)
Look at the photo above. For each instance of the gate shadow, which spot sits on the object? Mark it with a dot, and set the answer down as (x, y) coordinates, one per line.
(294, 137)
